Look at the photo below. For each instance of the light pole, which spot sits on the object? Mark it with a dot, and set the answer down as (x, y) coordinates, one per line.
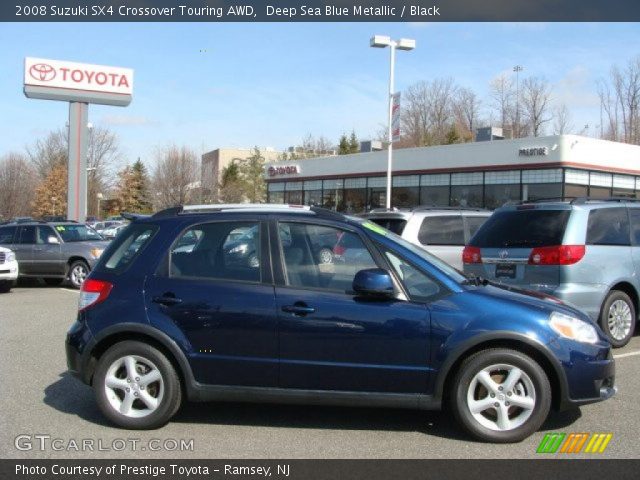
(382, 41)
(518, 69)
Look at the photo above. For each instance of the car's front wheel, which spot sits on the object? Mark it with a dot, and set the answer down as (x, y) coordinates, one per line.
(136, 386)
(618, 318)
(78, 272)
(500, 395)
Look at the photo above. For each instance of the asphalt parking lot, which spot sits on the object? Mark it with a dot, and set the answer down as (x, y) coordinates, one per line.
(38, 398)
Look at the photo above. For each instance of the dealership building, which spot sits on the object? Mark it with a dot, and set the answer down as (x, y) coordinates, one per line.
(480, 174)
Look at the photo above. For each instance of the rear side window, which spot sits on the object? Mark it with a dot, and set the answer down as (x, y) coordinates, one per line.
(608, 226)
(127, 246)
(27, 235)
(445, 230)
(396, 225)
(6, 234)
(522, 228)
(634, 214)
(220, 250)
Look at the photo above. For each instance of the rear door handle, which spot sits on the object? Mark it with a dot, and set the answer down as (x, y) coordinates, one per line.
(167, 300)
(298, 309)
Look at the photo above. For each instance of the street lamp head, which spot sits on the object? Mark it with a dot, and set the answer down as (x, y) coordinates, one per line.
(380, 41)
(518, 68)
(406, 44)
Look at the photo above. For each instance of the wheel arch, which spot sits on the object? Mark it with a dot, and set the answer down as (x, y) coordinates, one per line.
(625, 287)
(145, 334)
(536, 351)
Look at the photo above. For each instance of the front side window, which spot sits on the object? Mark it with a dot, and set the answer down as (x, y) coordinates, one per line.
(446, 230)
(221, 250)
(608, 226)
(306, 263)
(27, 235)
(419, 286)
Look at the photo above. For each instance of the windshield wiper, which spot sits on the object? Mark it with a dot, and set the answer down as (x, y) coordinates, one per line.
(476, 280)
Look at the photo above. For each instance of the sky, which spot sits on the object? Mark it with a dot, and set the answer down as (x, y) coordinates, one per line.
(209, 85)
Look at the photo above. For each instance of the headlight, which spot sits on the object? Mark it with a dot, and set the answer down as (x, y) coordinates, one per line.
(96, 252)
(239, 249)
(10, 257)
(573, 328)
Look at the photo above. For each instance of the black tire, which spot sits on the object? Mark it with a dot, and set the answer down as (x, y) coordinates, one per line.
(5, 286)
(53, 282)
(618, 339)
(171, 398)
(535, 377)
(78, 266)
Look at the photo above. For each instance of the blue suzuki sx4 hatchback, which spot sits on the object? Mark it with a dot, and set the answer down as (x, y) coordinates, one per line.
(278, 303)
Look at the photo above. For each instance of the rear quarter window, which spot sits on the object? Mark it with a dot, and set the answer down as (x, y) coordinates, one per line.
(522, 228)
(127, 246)
(608, 226)
(445, 230)
(395, 225)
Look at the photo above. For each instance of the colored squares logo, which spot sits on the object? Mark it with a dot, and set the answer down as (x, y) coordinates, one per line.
(574, 443)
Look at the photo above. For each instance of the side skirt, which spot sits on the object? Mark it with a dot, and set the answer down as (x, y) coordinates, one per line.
(223, 393)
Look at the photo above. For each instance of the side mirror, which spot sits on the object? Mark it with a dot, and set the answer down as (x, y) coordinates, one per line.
(374, 282)
(53, 240)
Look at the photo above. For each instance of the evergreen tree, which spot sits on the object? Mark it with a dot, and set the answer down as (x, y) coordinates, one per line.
(354, 144)
(343, 145)
(231, 189)
(140, 184)
(251, 172)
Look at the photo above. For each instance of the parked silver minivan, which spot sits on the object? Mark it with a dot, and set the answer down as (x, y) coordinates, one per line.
(584, 252)
(442, 231)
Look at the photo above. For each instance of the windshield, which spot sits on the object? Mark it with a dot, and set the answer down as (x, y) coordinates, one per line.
(77, 233)
(452, 272)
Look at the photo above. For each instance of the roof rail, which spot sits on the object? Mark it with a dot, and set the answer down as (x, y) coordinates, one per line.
(545, 199)
(133, 216)
(327, 213)
(421, 208)
(582, 200)
(167, 212)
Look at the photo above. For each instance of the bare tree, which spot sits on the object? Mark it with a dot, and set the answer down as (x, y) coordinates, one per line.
(467, 109)
(608, 107)
(536, 95)
(428, 113)
(626, 85)
(174, 176)
(49, 152)
(562, 120)
(18, 181)
(502, 99)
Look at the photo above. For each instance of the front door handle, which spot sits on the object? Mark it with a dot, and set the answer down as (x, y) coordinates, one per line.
(167, 300)
(298, 309)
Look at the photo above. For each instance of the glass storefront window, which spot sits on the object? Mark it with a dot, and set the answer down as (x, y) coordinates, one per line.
(332, 199)
(313, 197)
(355, 200)
(377, 197)
(497, 195)
(403, 197)
(536, 191)
(466, 196)
(574, 191)
(276, 197)
(293, 197)
(435, 196)
(599, 192)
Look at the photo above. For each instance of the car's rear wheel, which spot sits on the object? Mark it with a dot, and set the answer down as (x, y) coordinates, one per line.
(136, 386)
(618, 318)
(500, 395)
(78, 272)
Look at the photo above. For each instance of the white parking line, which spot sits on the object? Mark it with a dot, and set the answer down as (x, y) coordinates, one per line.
(629, 354)
(70, 290)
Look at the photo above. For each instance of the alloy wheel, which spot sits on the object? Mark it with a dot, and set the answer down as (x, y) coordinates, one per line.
(619, 319)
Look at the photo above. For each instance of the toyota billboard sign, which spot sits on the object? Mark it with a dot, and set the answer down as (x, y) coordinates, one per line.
(71, 81)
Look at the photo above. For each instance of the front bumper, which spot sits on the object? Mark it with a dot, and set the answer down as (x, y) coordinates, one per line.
(589, 381)
(9, 271)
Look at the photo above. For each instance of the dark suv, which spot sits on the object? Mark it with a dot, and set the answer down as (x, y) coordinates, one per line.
(164, 317)
(53, 251)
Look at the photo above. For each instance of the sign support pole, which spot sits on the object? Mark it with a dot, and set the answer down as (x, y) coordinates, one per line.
(77, 172)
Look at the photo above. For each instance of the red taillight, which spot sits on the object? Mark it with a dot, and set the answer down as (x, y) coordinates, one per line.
(93, 292)
(471, 255)
(557, 255)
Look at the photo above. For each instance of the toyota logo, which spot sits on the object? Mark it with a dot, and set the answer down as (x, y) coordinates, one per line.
(503, 254)
(42, 72)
